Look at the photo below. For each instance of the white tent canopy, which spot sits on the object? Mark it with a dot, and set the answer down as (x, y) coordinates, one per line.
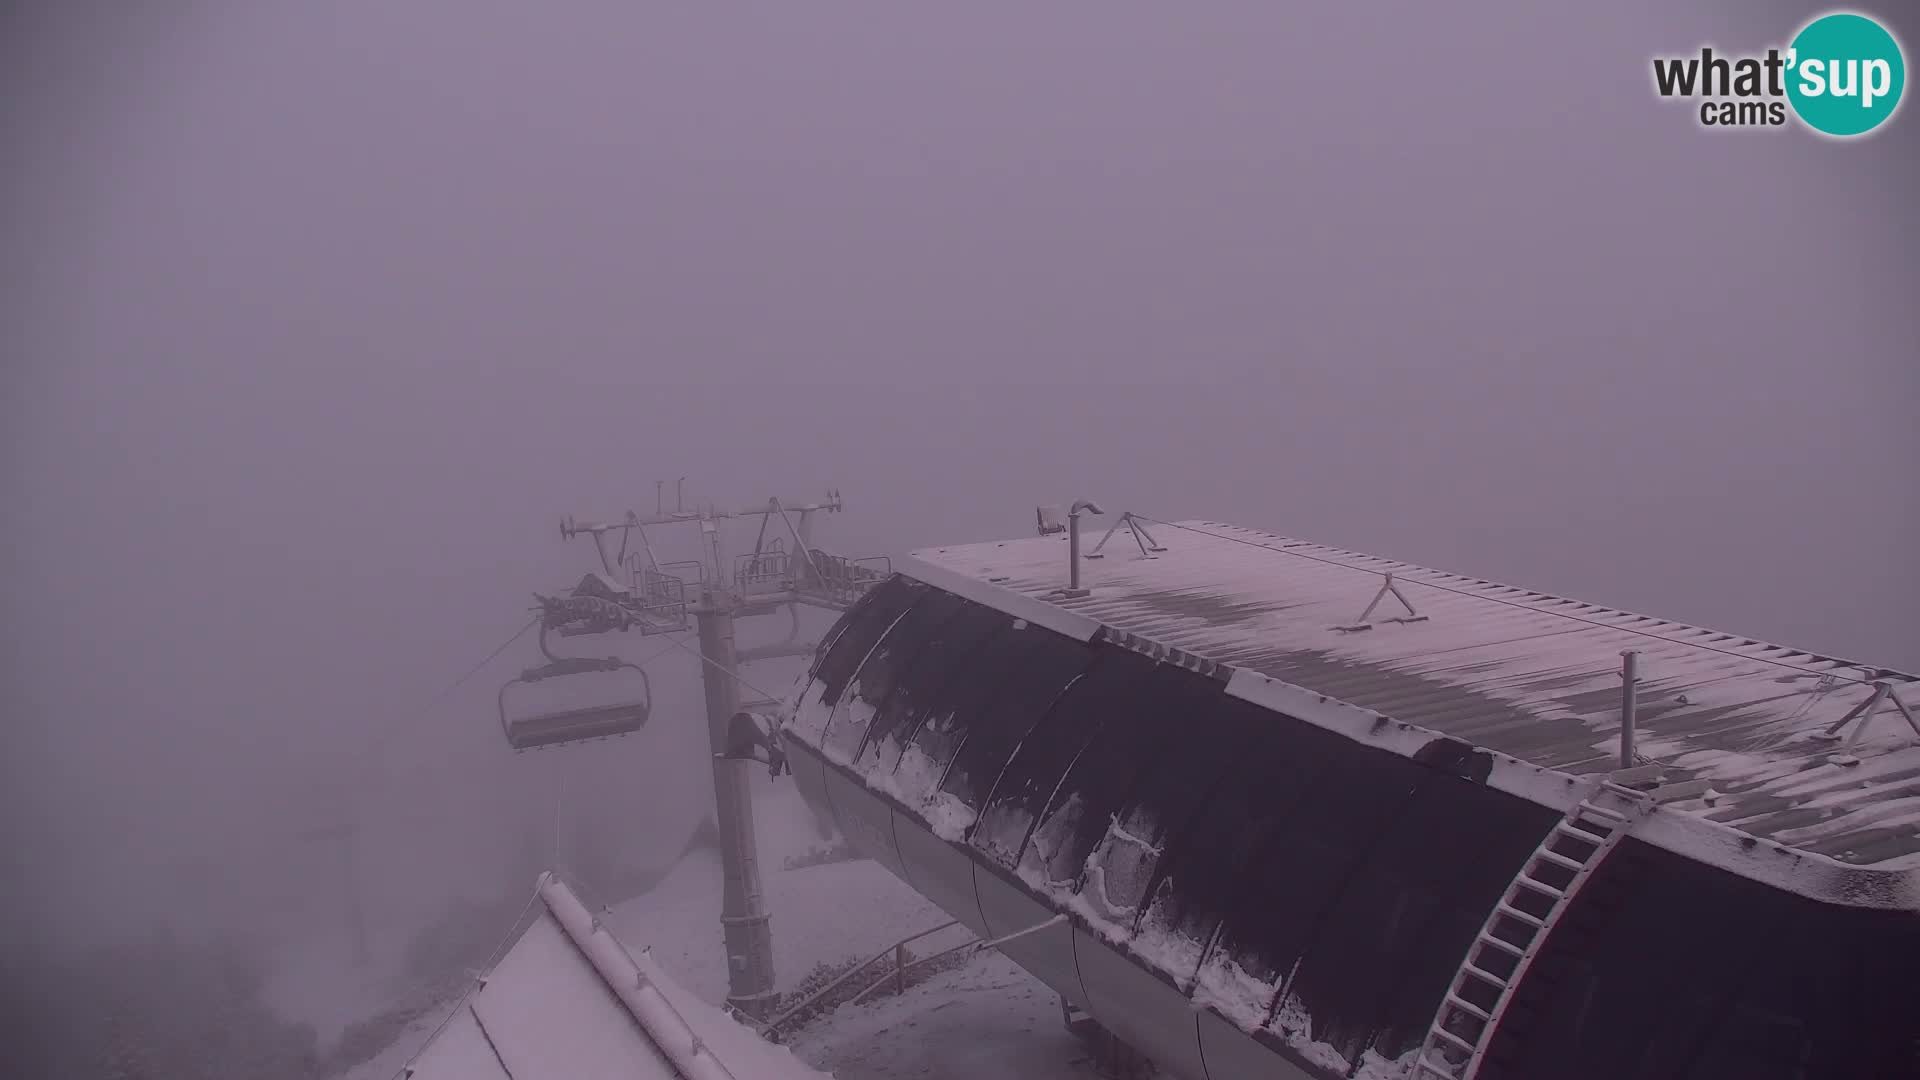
(569, 1002)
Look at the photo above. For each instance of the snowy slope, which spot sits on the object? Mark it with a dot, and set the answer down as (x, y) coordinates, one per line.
(821, 915)
(988, 1019)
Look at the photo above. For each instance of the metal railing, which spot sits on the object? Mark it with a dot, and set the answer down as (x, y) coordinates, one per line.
(663, 602)
(897, 950)
(766, 572)
(901, 965)
(698, 575)
(838, 581)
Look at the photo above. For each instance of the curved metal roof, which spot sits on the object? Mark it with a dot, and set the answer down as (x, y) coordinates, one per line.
(1521, 673)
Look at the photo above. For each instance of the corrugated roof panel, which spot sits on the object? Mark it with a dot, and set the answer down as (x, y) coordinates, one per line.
(1530, 675)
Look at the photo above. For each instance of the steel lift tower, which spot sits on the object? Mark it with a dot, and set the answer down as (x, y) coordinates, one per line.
(634, 591)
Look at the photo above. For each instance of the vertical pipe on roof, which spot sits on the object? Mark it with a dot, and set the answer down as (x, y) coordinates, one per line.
(1073, 553)
(1073, 589)
(1629, 674)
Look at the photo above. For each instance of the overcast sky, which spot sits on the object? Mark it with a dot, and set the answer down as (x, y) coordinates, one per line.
(317, 317)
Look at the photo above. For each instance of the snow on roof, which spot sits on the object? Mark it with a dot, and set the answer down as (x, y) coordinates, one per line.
(1524, 674)
(550, 1010)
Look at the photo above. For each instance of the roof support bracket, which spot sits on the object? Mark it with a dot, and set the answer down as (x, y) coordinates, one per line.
(1141, 537)
(1864, 713)
(1386, 587)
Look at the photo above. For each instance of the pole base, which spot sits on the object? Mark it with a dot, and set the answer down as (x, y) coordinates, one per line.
(754, 1006)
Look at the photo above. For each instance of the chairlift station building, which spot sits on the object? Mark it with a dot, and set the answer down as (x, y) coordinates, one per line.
(1320, 814)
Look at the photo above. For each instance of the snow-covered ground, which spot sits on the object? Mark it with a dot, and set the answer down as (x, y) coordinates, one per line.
(821, 915)
(984, 1019)
(988, 1019)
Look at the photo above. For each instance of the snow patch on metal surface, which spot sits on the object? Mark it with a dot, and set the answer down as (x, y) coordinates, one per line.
(810, 713)
(1236, 993)
(1003, 832)
(914, 784)
(914, 779)
(1039, 862)
(1121, 866)
(1174, 953)
(1097, 918)
(848, 728)
(1375, 1067)
(947, 816)
(1294, 1025)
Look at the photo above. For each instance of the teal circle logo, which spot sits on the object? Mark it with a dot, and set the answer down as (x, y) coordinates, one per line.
(1845, 74)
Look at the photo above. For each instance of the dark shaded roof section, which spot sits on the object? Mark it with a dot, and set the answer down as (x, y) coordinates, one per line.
(1523, 673)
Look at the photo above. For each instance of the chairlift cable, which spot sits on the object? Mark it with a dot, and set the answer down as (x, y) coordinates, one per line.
(477, 668)
(716, 665)
(382, 745)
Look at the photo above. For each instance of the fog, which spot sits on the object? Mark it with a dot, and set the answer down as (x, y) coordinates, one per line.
(318, 317)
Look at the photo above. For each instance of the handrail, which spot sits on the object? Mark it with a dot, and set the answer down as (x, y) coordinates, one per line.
(901, 967)
(901, 972)
(773, 1025)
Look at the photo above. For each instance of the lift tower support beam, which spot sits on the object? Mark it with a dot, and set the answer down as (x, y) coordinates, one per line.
(637, 592)
(743, 906)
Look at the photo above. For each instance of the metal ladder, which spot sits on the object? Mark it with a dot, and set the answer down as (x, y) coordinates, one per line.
(1517, 928)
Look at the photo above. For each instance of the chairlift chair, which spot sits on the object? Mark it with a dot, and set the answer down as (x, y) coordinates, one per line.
(562, 726)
